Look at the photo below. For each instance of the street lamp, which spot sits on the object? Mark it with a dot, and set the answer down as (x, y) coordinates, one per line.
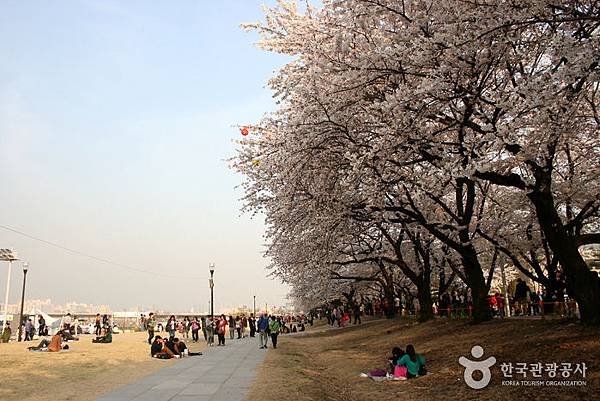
(7, 255)
(25, 268)
(254, 306)
(211, 284)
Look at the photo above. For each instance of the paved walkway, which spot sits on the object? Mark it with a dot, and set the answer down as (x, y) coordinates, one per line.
(221, 374)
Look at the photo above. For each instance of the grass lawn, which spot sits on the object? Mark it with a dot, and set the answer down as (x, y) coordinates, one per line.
(325, 365)
(82, 373)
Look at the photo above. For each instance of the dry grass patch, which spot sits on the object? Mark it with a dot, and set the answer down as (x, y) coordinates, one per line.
(325, 365)
(82, 373)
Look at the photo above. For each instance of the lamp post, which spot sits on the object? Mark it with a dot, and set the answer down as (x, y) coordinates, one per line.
(25, 268)
(7, 255)
(211, 284)
(254, 307)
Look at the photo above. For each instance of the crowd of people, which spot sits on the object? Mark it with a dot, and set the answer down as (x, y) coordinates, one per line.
(454, 303)
(340, 314)
(527, 302)
(268, 327)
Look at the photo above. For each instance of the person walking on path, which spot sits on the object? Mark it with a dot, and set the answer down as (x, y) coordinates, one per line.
(209, 332)
(221, 328)
(238, 327)
(150, 325)
(274, 327)
(231, 327)
(186, 327)
(252, 323)
(204, 323)
(263, 325)
(172, 326)
(244, 325)
(195, 326)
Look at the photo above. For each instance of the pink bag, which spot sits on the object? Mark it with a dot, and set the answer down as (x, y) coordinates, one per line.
(400, 371)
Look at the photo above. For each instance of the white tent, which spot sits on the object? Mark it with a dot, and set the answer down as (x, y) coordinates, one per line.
(52, 323)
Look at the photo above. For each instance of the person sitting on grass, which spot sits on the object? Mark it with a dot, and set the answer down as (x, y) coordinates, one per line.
(415, 363)
(183, 349)
(67, 336)
(156, 346)
(397, 353)
(159, 349)
(176, 346)
(53, 345)
(105, 339)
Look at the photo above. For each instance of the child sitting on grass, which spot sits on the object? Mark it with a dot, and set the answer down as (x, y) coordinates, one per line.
(397, 353)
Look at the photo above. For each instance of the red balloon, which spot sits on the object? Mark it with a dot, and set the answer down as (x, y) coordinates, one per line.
(244, 131)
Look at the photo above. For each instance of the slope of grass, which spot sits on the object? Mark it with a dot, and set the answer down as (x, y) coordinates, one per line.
(325, 365)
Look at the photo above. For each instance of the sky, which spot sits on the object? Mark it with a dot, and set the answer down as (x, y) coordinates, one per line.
(116, 122)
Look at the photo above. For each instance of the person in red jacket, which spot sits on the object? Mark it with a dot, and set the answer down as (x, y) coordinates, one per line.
(500, 305)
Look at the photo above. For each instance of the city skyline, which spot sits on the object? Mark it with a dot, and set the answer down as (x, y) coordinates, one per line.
(74, 307)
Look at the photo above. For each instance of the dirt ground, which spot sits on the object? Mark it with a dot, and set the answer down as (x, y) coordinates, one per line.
(325, 365)
(82, 373)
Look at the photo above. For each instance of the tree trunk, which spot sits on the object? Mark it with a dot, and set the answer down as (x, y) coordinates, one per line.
(389, 296)
(424, 297)
(388, 291)
(580, 280)
(476, 282)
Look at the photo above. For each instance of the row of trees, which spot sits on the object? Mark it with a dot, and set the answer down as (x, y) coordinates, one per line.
(415, 138)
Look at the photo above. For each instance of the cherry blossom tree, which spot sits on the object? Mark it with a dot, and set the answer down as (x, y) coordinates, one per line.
(414, 113)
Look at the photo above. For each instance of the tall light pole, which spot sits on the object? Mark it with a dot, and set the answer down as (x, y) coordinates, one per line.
(25, 268)
(7, 255)
(211, 284)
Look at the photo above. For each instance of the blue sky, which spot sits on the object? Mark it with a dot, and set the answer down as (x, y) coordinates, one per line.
(115, 123)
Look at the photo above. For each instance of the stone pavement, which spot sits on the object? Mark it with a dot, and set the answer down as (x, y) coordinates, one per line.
(221, 374)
